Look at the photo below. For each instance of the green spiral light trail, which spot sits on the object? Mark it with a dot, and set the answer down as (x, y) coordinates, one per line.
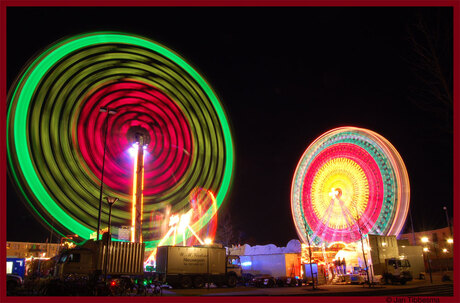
(55, 131)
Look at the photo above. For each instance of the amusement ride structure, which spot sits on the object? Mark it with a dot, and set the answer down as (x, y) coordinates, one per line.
(349, 182)
(166, 150)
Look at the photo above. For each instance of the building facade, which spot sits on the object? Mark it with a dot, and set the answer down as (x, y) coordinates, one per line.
(439, 242)
(30, 249)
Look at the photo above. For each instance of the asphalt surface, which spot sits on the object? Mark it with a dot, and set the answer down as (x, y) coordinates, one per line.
(413, 288)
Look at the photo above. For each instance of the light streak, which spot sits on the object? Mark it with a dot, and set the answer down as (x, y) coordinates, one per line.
(194, 233)
(54, 138)
(142, 188)
(181, 223)
(133, 212)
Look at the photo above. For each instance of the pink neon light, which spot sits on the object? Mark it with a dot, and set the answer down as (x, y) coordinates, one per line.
(375, 183)
(137, 104)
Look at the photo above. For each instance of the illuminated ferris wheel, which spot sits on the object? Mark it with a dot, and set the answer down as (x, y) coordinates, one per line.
(75, 115)
(349, 182)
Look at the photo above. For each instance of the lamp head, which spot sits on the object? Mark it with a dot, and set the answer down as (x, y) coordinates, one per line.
(106, 109)
(111, 200)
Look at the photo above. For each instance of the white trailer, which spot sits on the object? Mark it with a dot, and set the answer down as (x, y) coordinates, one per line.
(285, 267)
(414, 254)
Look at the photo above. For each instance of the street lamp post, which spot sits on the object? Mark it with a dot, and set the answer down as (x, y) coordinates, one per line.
(448, 221)
(109, 112)
(427, 251)
(110, 201)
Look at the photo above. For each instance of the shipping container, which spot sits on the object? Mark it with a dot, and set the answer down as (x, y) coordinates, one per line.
(414, 254)
(188, 266)
(382, 248)
(124, 258)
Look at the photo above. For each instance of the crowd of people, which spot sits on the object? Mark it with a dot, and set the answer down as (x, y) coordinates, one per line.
(341, 266)
(338, 267)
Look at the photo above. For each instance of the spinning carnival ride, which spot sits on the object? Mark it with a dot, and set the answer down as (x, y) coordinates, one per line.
(348, 183)
(58, 127)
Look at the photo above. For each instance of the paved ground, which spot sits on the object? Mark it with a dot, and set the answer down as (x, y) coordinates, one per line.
(413, 288)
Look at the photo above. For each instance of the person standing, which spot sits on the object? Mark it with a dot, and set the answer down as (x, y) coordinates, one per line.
(337, 265)
(332, 269)
(344, 266)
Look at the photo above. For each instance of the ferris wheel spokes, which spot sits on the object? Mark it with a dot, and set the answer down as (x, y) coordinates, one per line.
(324, 221)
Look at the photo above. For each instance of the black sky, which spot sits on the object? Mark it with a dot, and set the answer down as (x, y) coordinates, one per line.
(284, 76)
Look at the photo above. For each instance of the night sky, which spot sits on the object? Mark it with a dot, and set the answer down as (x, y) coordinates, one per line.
(284, 76)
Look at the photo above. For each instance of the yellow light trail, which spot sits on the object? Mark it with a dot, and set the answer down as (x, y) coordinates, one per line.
(133, 216)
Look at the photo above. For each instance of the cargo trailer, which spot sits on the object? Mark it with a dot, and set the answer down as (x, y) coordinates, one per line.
(187, 266)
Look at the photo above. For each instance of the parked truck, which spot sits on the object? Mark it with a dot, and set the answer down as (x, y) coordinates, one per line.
(187, 266)
(89, 260)
(80, 270)
(385, 260)
(284, 268)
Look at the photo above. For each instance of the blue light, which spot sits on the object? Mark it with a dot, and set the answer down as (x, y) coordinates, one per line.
(246, 264)
(133, 150)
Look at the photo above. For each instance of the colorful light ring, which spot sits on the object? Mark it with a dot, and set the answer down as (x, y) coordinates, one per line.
(56, 132)
(142, 107)
(349, 176)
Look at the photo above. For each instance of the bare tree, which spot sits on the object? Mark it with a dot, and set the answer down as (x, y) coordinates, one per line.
(432, 60)
(225, 230)
(356, 218)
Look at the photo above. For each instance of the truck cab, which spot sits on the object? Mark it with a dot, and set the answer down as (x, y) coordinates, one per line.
(234, 265)
(75, 262)
(397, 270)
